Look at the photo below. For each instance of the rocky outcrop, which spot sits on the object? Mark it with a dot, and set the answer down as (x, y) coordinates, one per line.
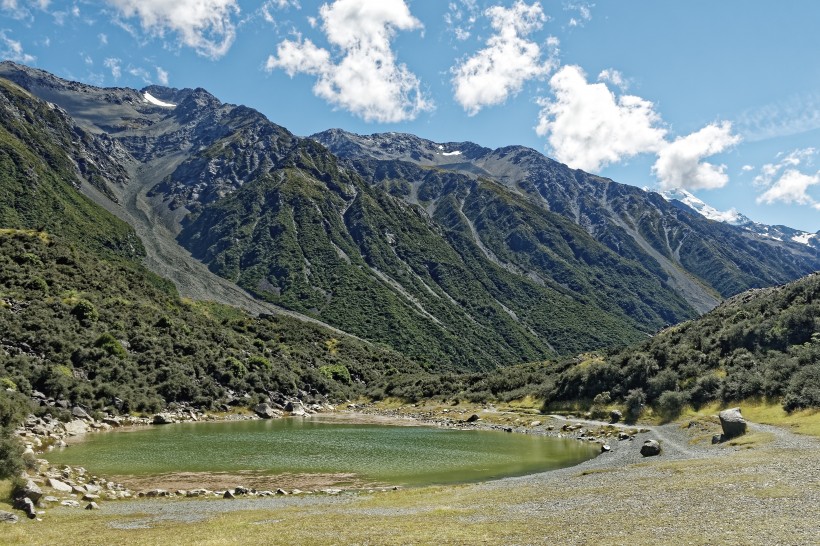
(732, 422)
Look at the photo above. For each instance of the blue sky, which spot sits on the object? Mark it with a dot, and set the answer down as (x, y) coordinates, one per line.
(722, 98)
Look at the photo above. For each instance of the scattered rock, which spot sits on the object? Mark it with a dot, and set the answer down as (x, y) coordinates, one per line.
(281, 492)
(156, 493)
(241, 491)
(606, 448)
(228, 495)
(472, 419)
(57, 485)
(717, 438)
(732, 422)
(92, 506)
(650, 448)
(535, 424)
(623, 436)
(90, 497)
(70, 503)
(26, 505)
(8, 517)
(615, 416)
(49, 499)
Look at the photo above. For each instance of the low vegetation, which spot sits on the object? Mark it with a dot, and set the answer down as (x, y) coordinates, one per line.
(763, 344)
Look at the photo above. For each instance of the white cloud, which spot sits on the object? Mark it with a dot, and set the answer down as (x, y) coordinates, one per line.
(500, 70)
(366, 80)
(786, 183)
(584, 14)
(614, 77)
(747, 168)
(461, 17)
(162, 76)
(13, 50)
(20, 9)
(115, 66)
(207, 26)
(588, 127)
(142, 73)
(270, 6)
(103, 38)
(791, 116)
(680, 164)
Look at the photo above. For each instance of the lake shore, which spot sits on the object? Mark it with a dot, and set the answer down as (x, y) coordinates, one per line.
(761, 489)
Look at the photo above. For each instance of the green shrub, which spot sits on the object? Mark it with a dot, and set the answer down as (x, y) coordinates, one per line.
(634, 403)
(670, 404)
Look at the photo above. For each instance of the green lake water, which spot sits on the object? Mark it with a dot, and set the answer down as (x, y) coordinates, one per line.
(392, 455)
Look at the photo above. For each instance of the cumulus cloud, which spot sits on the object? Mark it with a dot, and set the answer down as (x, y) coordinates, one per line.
(500, 70)
(588, 127)
(207, 26)
(614, 77)
(786, 183)
(364, 78)
(680, 164)
(13, 50)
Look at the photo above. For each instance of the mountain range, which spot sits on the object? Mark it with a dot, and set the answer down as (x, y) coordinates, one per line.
(457, 256)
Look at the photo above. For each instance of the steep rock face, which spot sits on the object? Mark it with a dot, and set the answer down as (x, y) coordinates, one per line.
(459, 256)
(701, 260)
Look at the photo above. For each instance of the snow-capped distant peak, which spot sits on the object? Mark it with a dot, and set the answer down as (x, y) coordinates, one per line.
(451, 153)
(733, 217)
(149, 98)
(730, 216)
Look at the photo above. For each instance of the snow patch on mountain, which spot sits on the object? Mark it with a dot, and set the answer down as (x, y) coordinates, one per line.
(148, 97)
(805, 238)
(451, 153)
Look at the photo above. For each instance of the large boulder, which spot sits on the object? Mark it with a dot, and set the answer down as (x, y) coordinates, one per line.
(163, 419)
(76, 427)
(295, 408)
(266, 411)
(650, 448)
(27, 506)
(732, 422)
(29, 490)
(80, 413)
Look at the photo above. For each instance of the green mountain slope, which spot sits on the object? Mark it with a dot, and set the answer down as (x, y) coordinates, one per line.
(762, 344)
(82, 321)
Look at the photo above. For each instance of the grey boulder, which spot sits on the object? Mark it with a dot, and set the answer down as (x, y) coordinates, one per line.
(732, 422)
(650, 448)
